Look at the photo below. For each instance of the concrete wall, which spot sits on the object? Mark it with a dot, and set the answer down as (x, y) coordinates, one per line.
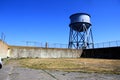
(36, 52)
(3, 49)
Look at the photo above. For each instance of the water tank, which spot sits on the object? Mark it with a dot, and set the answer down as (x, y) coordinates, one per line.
(79, 20)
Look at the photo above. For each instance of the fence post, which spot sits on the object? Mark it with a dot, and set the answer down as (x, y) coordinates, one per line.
(46, 45)
(117, 43)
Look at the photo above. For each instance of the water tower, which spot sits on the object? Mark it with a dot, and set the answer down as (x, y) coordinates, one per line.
(80, 36)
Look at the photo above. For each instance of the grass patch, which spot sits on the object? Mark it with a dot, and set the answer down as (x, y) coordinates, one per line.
(81, 64)
(48, 63)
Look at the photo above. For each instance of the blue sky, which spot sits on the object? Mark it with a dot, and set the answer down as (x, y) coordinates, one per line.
(48, 20)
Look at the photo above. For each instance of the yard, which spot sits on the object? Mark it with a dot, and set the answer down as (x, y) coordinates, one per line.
(79, 64)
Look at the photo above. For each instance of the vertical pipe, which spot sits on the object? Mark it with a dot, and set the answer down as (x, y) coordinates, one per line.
(70, 38)
(77, 41)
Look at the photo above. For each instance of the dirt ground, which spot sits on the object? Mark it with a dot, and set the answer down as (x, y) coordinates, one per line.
(12, 71)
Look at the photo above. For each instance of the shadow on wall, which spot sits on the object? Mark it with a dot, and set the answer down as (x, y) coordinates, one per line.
(104, 53)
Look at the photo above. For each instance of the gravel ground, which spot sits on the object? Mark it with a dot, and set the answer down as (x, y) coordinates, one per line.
(10, 72)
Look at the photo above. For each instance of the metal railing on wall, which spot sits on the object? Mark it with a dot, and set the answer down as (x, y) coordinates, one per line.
(60, 45)
(107, 44)
(42, 44)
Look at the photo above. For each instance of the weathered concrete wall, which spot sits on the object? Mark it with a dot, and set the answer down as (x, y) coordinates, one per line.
(3, 49)
(36, 52)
